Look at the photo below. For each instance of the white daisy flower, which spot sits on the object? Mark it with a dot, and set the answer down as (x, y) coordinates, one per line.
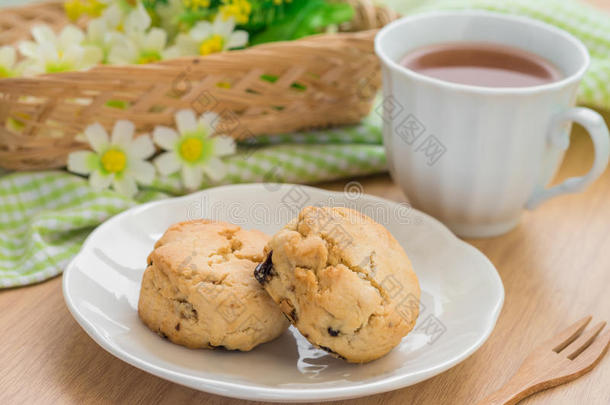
(192, 149)
(206, 38)
(51, 53)
(122, 16)
(138, 47)
(8, 62)
(118, 161)
(100, 34)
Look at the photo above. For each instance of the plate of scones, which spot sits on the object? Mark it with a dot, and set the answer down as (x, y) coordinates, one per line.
(283, 293)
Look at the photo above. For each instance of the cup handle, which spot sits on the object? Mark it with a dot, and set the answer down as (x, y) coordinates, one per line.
(598, 131)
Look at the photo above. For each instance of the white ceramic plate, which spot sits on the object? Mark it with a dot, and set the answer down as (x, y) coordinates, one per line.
(461, 298)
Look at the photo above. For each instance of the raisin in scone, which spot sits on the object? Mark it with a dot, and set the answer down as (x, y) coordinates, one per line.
(343, 281)
(199, 291)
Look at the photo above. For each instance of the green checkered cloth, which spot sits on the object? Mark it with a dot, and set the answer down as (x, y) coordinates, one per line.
(45, 216)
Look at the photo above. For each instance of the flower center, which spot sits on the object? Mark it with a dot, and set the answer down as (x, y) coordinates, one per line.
(58, 67)
(149, 57)
(4, 72)
(211, 45)
(191, 149)
(114, 161)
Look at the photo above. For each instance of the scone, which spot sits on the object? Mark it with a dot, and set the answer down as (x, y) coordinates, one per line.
(198, 289)
(343, 281)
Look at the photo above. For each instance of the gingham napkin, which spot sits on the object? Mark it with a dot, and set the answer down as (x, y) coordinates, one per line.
(45, 216)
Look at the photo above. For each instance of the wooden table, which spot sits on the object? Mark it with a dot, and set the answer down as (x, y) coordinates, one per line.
(555, 268)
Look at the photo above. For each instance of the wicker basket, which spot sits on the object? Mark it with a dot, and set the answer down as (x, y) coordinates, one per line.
(321, 80)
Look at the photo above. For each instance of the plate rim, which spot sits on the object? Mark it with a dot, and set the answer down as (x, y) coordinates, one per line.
(279, 394)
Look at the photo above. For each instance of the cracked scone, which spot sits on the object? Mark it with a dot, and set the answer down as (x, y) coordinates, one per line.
(199, 291)
(343, 281)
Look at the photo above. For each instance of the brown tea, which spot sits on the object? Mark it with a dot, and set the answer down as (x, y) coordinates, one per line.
(482, 64)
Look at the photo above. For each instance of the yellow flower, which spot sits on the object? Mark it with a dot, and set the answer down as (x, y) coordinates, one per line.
(76, 8)
(195, 4)
(239, 10)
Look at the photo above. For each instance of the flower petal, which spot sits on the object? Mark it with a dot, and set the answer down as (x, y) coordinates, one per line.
(215, 169)
(8, 57)
(28, 49)
(165, 137)
(192, 176)
(97, 137)
(82, 162)
(141, 148)
(123, 53)
(91, 55)
(113, 15)
(96, 30)
(100, 181)
(237, 40)
(70, 35)
(125, 185)
(186, 121)
(72, 56)
(209, 120)
(201, 31)
(138, 19)
(187, 46)
(155, 40)
(172, 52)
(122, 133)
(167, 163)
(223, 27)
(223, 145)
(43, 33)
(29, 67)
(142, 171)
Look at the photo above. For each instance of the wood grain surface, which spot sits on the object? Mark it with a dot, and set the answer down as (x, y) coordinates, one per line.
(555, 267)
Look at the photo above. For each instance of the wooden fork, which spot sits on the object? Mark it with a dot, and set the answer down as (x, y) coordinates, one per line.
(561, 359)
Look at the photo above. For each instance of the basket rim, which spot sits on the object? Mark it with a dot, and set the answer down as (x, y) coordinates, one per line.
(329, 41)
(318, 41)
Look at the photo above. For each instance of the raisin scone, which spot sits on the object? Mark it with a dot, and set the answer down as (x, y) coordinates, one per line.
(343, 281)
(199, 291)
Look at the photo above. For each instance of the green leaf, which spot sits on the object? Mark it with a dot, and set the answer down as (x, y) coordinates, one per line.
(329, 14)
(305, 18)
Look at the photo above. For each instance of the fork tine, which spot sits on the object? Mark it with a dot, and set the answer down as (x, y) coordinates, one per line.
(561, 340)
(594, 353)
(583, 341)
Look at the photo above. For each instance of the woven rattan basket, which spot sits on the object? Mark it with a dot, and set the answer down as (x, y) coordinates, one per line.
(321, 80)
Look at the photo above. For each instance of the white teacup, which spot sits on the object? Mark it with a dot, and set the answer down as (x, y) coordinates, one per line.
(475, 157)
